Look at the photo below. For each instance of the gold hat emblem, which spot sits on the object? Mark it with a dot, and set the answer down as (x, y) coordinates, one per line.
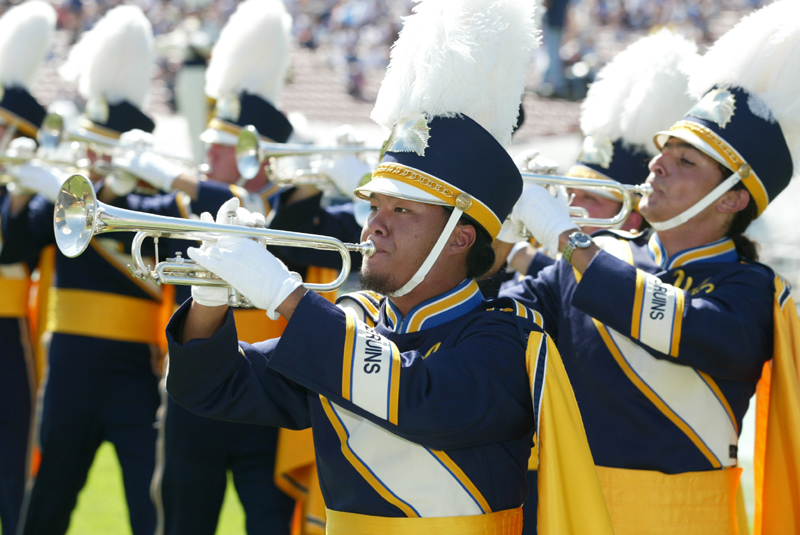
(717, 106)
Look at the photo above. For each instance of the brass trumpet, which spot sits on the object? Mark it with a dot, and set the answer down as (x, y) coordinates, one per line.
(625, 191)
(79, 216)
(251, 151)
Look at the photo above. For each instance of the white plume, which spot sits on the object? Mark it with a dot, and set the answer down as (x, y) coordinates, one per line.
(252, 53)
(641, 91)
(114, 59)
(25, 33)
(761, 54)
(460, 57)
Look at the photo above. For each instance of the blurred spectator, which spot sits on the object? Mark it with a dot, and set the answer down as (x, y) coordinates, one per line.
(555, 17)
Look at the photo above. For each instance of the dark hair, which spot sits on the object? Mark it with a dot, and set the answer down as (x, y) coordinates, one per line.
(747, 248)
(480, 257)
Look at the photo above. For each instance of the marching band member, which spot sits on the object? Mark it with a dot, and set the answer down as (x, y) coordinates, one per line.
(422, 403)
(102, 382)
(246, 75)
(666, 334)
(642, 90)
(25, 34)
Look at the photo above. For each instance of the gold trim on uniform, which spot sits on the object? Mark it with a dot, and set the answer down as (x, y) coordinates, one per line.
(508, 522)
(229, 128)
(94, 128)
(14, 303)
(23, 125)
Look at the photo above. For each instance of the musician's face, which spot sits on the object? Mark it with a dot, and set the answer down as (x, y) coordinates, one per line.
(221, 161)
(681, 175)
(598, 206)
(404, 232)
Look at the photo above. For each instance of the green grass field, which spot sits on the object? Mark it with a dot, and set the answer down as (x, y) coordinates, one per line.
(101, 505)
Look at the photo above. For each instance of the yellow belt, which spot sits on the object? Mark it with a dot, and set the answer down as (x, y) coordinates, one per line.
(507, 522)
(104, 315)
(647, 502)
(14, 301)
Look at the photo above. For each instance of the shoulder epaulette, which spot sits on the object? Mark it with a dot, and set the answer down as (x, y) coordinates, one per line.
(507, 304)
(367, 302)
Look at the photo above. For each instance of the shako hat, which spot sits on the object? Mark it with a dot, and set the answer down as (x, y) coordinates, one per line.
(25, 34)
(247, 72)
(748, 118)
(451, 98)
(112, 64)
(639, 92)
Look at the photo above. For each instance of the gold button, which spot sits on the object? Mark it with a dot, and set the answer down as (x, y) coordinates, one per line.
(463, 202)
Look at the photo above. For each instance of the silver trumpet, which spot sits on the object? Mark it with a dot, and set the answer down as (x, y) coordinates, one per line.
(625, 191)
(52, 133)
(252, 151)
(79, 216)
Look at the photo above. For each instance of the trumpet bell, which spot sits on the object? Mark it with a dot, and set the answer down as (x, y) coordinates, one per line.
(74, 218)
(247, 160)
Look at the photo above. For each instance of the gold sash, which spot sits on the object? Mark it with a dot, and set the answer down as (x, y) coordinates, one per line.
(104, 315)
(507, 522)
(647, 502)
(14, 303)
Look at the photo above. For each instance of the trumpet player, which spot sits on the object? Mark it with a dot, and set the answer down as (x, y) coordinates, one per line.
(25, 34)
(416, 389)
(630, 99)
(246, 74)
(102, 383)
(666, 335)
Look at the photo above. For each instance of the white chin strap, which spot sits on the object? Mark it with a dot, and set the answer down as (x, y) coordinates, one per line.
(703, 203)
(426, 266)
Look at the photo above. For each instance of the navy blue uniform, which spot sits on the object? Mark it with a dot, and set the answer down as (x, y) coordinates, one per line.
(198, 451)
(418, 416)
(664, 355)
(102, 382)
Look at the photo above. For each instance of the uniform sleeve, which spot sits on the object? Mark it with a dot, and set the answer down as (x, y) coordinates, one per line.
(538, 263)
(310, 217)
(25, 234)
(470, 394)
(229, 380)
(723, 329)
(542, 292)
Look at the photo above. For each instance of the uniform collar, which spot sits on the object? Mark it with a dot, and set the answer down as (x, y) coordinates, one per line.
(436, 311)
(722, 250)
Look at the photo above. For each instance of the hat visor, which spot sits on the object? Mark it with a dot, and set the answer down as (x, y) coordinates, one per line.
(661, 138)
(218, 137)
(394, 188)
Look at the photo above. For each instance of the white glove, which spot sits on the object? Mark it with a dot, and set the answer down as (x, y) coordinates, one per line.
(213, 296)
(22, 147)
(250, 269)
(137, 139)
(511, 231)
(209, 296)
(529, 161)
(154, 169)
(36, 177)
(546, 217)
(346, 171)
(121, 184)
